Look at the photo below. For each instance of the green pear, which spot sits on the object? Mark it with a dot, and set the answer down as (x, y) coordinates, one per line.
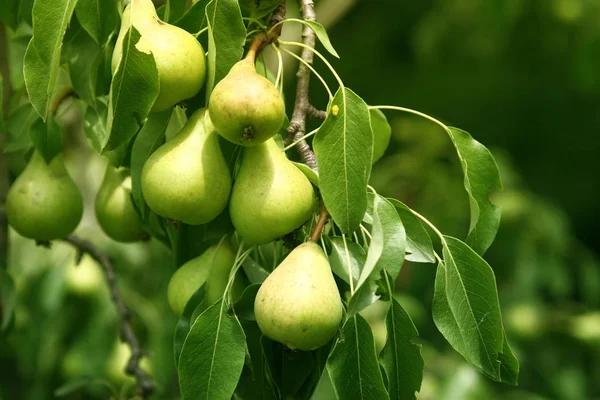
(245, 107)
(299, 304)
(211, 267)
(179, 58)
(187, 179)
(44, 203)
(115, 211)
(271, 197)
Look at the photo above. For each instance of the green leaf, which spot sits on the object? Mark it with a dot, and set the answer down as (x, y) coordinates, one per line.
(388, 242)
(174, 9)
(256, 382)
(185, 321)
(289, 369)
(47, 138)
(343, 254)
(194, 20)
(133, 91)
(83, 382)
(344, 146)
(150, 138)
(98, 17)
(18, 127)
(9, 12)
(382, 132)
(258, 8)
(322, 36)
(401, 356)
(8, 297)
(418, 242)
(84, 58)
(213, 355)
(482, 178)
(353, 366)
(466, 310)
(17, 46)
(226, 39)
(308, 172)
(42, 57)
(244, 307)
(94, 125)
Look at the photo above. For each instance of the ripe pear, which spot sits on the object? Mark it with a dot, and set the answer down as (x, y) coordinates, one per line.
(115, 211)
(213, 267)
(299, 304)
(271, 197)
(187, 179)
(179, 58)
(44, 203)
(245, 107)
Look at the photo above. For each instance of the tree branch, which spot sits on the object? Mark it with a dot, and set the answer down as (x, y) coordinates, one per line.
(297, 127)
(145, 385)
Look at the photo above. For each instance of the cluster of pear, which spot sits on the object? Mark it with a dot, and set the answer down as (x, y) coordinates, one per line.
(188, 179)
(45, 204)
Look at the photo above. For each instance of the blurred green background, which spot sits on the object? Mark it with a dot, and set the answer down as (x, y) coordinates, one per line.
(522, 76)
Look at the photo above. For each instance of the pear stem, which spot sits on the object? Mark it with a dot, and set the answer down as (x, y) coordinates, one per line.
(261, 40)
(145, 385)
(316, 233)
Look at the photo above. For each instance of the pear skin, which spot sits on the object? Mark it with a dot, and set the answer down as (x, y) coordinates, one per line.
(179, 57)
(187, 179)
(245, 107)
(271, 197)
(114, 207)
(213, 267)
(299, 304)
(44, 203)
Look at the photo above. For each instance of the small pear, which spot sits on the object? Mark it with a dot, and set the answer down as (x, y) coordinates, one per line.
(299, 304)
(271, 197)
(245, 107)
(187, 179)
(213, 267)
(115, 211)
(44, 203)
(179, 57)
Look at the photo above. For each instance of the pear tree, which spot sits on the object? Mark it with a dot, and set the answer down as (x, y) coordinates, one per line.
(279, 242)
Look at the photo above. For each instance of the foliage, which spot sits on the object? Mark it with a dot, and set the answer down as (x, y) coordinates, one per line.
(371, 238)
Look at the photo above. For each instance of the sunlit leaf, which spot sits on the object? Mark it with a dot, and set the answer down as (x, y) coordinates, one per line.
(482, 178)
(418, 242)
(213, 356)
(466, 310)
(133, 91)
(346, 256)
(401, 356)
(322, 36)
(353, 366)
(226, 39)
(42, 57)
(98, 17)
(150, 138)
(344, 149)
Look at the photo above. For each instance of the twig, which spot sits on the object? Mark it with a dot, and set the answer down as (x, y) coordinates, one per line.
(316, 233)
(297, 127)
(145, 385)
(314, 112)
